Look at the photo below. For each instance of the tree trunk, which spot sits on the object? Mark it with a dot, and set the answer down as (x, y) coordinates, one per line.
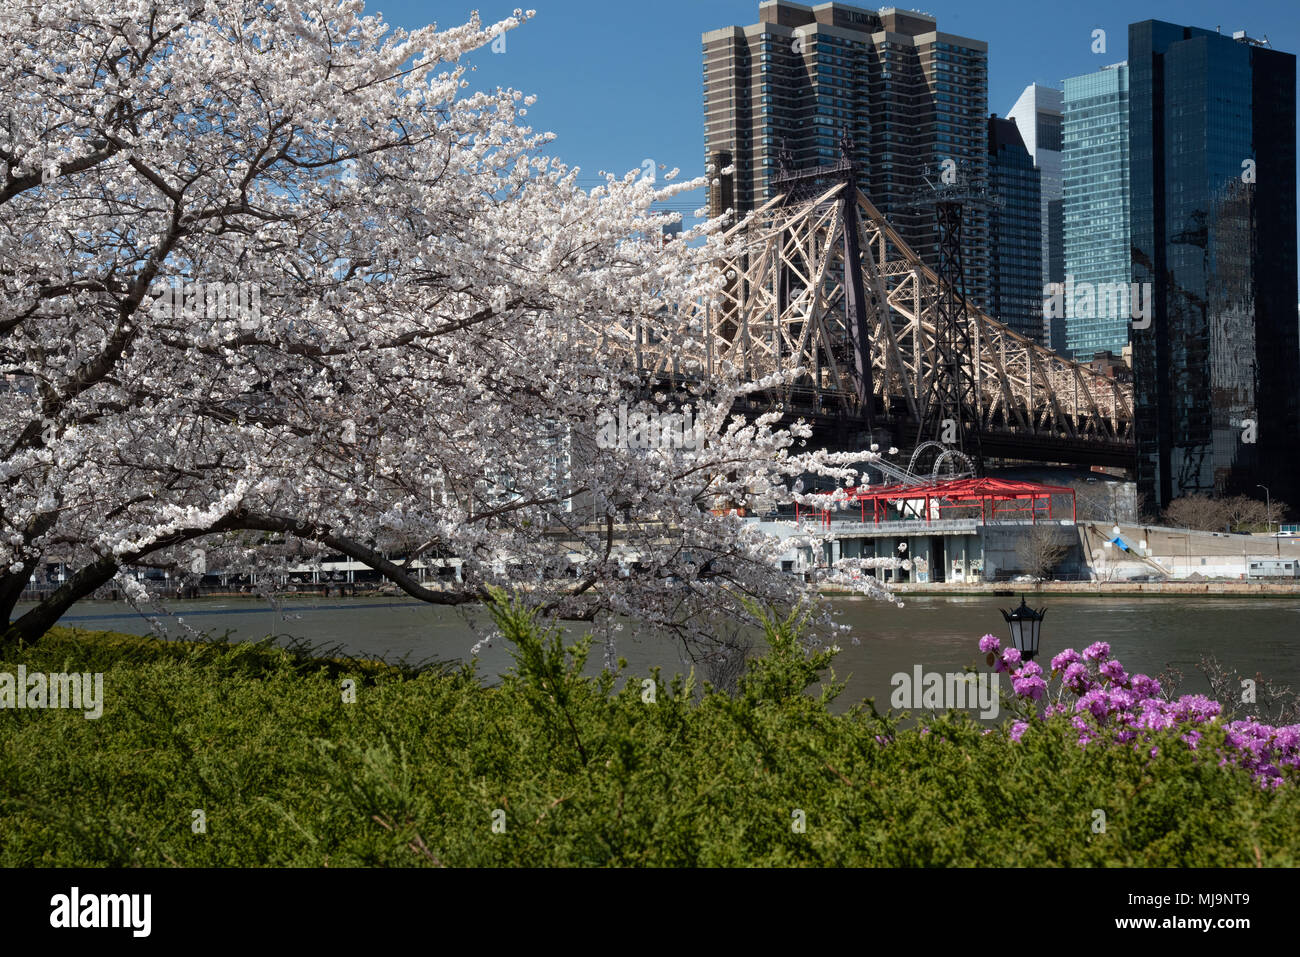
(11, 589)
(13, 583)
(45, 615)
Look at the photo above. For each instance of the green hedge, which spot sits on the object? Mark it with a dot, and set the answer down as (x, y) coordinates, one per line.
(429, 767)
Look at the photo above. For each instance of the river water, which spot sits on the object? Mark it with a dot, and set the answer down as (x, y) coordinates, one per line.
(1251, 635)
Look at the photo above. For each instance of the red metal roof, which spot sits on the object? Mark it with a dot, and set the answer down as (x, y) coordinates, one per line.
(959, 490)
(986, 492)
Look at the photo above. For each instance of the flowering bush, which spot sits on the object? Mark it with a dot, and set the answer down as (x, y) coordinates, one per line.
(1105, 704)
(594, 770)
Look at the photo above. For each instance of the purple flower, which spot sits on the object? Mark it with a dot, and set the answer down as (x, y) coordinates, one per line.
(1095, 703)
(1288, 738)
(1146, 687)
(1196, 707)
(1097, 651)
(1249, 737)
(1121, 699)
(1032, 687)
(1029, 669)
(1112, 707)
(1113, 670)
(1156, 714)
(1077, 679)
(1066, 658)
(1027, 681)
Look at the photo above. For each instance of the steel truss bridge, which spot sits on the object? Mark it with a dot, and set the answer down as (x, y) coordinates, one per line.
(871, 341)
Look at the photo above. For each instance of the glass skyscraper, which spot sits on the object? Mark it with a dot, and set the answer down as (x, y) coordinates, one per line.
(909, 95)
(1016, 291)
(1037, 114)
(1095, 172)
(1213, 124)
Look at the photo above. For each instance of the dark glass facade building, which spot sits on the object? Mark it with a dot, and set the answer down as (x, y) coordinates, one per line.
(1212, 142)
(1015, 232)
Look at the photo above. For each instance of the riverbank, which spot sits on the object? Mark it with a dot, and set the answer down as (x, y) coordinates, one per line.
(219, 755)
(1116, 589)
(935, 630)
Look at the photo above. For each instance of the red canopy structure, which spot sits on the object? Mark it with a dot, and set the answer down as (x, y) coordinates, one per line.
(988, 493)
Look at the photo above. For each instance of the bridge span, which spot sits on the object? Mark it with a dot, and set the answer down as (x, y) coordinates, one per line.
(826, 285)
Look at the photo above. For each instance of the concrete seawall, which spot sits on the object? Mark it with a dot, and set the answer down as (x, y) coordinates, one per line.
(1101, 589)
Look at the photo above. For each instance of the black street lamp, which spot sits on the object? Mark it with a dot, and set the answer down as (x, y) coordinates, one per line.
(1024, 624)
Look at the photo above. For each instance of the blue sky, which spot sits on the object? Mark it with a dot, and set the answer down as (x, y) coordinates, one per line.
(619, 81)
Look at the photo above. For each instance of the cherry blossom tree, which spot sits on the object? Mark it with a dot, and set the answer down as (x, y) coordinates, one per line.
(277, 284)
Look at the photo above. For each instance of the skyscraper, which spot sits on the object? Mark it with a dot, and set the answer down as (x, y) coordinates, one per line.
(909, 96)
(1038, 116)
(1016, 290)
(1212, 126)
(1095, 175)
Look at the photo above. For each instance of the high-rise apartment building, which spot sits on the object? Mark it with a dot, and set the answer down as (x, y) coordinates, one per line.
(1212, 122)
(1095, 188)
(1037, 114)
(908, 96)
(1016, 269)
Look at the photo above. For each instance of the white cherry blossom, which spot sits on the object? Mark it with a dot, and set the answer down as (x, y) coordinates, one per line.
(441, 318)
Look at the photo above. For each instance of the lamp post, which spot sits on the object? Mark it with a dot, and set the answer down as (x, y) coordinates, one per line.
(1024, 623)
(1268, 507)
(1268, 518)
